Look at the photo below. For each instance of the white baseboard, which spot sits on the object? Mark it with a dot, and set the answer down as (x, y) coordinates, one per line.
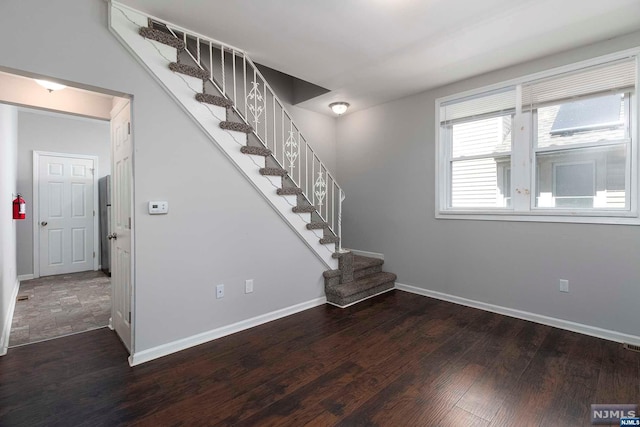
(6, 331)
(184, 343)
(360, 300)
(366, 253)
(525, 315)
(24, 277)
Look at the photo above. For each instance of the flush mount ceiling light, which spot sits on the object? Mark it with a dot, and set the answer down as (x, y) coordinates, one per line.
(339, 107)
(50, 86)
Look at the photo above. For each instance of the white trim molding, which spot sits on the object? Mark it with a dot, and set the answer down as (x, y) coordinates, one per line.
(525, 315)
(360, 300)
(6, 332)
(23, 277)
(182, 344)
(366, 253)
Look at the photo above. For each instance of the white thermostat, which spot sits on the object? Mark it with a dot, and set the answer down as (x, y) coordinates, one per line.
(158, 208)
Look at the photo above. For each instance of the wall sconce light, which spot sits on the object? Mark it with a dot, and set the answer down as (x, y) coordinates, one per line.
(50, 86)
(339, 107)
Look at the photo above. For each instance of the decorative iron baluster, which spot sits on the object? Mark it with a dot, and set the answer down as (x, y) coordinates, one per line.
(255, 96)
(291, 146)
(320, 189)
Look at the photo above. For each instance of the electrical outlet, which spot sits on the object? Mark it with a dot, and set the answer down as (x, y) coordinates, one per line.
(248, 286)
(563, 285)
(220, 291)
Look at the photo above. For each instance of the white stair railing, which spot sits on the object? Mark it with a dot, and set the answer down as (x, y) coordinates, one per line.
(237, 78)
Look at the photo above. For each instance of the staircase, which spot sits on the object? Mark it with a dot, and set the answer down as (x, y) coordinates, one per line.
(227, 96)
(356, 279)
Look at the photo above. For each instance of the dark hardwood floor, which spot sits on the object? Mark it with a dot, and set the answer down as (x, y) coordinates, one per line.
(395, 360)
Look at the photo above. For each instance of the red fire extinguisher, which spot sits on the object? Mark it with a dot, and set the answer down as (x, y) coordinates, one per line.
(19, 208)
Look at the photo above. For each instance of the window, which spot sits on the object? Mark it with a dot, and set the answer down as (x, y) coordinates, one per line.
(560, 146)
(602, 112)
(479, 151)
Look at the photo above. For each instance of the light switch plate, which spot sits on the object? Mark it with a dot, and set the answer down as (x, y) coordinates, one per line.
(248, 286)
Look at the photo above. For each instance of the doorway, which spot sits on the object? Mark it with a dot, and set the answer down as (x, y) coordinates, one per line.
(63, 289)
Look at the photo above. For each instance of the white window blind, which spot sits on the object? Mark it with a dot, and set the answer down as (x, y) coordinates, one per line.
(477, 107)
(614, 77)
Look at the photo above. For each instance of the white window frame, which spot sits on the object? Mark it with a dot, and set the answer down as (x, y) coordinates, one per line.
(523, 186)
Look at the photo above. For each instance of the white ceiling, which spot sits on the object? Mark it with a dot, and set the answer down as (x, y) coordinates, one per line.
(371, 51)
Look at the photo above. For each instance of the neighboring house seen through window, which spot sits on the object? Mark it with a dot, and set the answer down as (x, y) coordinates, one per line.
(558, 145)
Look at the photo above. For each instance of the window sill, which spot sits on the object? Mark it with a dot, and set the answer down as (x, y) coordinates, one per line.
(620, 218)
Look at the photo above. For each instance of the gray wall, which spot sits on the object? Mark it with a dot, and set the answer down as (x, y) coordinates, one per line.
(41, 131)
(219, 228)
(386, 166)
(8, 161)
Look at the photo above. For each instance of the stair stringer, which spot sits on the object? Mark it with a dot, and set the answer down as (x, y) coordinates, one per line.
(155, 57)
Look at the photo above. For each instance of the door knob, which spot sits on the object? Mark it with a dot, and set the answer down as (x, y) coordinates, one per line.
(44, 223)
(113, 236)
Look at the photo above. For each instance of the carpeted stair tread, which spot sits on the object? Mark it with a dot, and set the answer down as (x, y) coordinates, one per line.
(289, 191)
(362, 262)
(332, 277)
(365, 266)
(331, 273)
(338, 255)
(220, 101)
(273, 172)
(330, 239)
(345, 301)
(238, 127)
(346, 290)
(303, 209)
(159, 36)
(258, 151)
(189, 70)
(317, 225)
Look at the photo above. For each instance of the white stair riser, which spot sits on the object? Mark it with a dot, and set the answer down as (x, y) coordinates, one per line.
(292, 200)
(276, 181)
(259, 160)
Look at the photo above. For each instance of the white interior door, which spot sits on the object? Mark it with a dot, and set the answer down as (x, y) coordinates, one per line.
(66, 214)
(121, 195)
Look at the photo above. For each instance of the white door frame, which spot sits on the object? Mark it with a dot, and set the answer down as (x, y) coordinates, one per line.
(36, 206)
